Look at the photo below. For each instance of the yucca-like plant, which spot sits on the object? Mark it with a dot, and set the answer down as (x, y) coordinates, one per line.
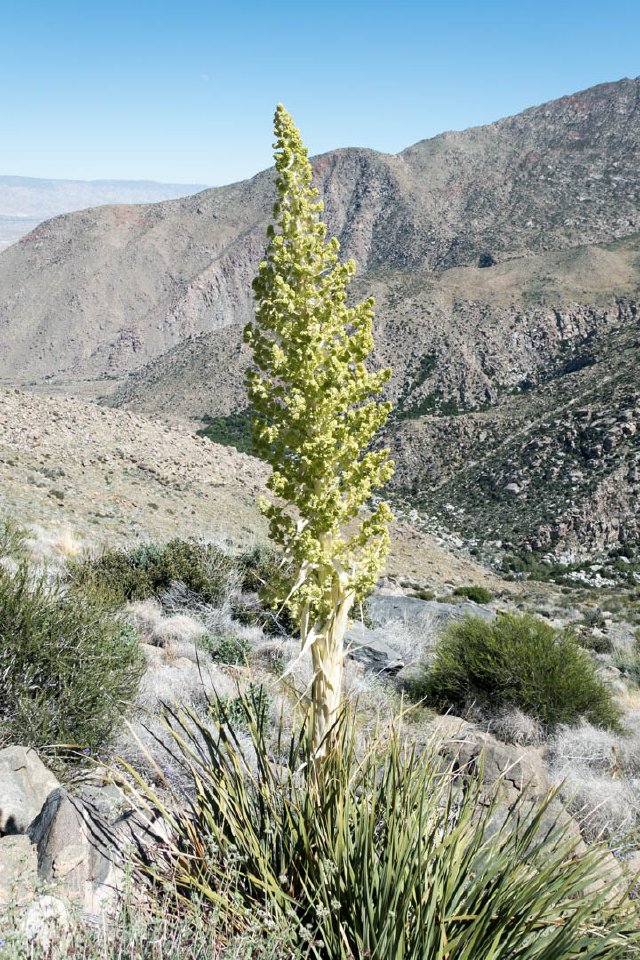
(316, 416)
(384, 854)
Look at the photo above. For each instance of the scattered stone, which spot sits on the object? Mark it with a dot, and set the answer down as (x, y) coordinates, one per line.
(18, 870)
(46, 921)
(25, 784)
(78, 851)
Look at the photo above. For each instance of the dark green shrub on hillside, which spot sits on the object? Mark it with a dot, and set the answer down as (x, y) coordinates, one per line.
(517, 661)
(262, 570)
(147, 570)
(227, 649)
(68, 667)
(477, 594)
(232, 430)
(11, 539)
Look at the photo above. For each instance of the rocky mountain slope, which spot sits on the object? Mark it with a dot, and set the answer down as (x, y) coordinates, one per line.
(103, 291)
(553, 467)
(505, 261)
(26, 201)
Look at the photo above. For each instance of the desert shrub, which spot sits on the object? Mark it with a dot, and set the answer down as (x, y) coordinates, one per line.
(377, 851)
(232, 430)
(519, 661)
(477, 594)
(597, 642)
(241, 711)
(227, 649)
(262, 568)
(147, 570)
(628, 661)
(422, 593)
(12, 537)
(68, 667)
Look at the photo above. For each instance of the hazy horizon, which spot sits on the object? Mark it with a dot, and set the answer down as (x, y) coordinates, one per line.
(185, 95)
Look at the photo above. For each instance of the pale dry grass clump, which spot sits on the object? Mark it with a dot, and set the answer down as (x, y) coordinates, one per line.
(181, 681)
(514, 726)
(160, 630)
(9, 565)
(51, 545)
(409, 640)
(599, 773)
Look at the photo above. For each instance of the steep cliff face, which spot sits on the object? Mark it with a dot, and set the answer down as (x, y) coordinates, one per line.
(554, 468)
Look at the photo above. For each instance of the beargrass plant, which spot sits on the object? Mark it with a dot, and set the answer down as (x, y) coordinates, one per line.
(317, 411)
(381, 852)
(69, 666)
(517, 661)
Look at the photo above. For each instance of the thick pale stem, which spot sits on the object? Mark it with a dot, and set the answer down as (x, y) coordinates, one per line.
(327, 653)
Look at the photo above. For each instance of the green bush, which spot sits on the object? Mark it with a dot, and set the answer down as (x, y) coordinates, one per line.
(11, 539)
(422, 593)
(232, 711)
(68, 667)
(477, 594)
(144, 571)
(381, 853)
(232, 430)
(262, 568)
(227, 649)
(517, 660)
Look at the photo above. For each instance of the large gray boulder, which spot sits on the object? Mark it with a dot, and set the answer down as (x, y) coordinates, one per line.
(78, 852)
(25, 784)
(399, 628)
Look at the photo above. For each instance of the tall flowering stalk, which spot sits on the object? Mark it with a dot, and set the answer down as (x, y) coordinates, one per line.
(316, 414)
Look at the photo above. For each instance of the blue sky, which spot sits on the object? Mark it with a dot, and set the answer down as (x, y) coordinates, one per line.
(185, 92)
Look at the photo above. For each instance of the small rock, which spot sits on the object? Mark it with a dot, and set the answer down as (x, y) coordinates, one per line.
(512, 488)
(46, 922)
(25, 784)
(18, 870)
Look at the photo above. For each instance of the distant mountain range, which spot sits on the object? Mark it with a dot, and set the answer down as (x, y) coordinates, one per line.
(27, 201)
(505, 261)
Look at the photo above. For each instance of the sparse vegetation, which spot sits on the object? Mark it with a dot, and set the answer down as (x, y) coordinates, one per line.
(517, 661)
(68, 666)
(233, 430)
(12, 537)
(147, 570)
(477, 594)
(628, 661)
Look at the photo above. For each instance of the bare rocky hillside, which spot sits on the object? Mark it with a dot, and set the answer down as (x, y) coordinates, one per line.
(505, 262)
(103, 291)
